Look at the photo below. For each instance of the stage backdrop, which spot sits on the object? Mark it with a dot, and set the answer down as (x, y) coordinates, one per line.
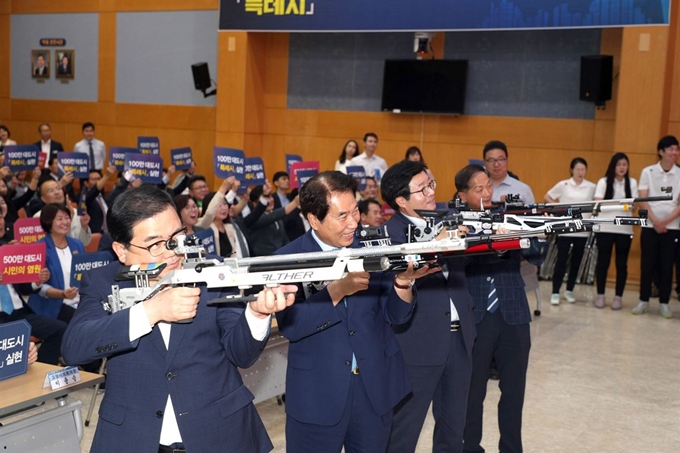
(440, 15)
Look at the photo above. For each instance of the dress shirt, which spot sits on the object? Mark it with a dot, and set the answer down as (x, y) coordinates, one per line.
(98, 148)
(374, 166)
(513, 186)
(618, 193)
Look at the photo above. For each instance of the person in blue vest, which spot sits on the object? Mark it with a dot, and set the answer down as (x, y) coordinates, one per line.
(502, 315)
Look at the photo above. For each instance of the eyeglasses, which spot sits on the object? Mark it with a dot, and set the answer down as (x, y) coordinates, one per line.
(502, 160)
(158, 248)
(431, 186)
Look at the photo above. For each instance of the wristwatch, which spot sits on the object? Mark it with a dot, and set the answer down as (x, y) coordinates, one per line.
(409, 286)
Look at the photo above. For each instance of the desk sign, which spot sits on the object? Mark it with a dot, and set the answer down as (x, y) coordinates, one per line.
(28, 230)
(21, 157)
(290, 160)
(149, 145)
(83, 262)
(76, 163)
(304, 170)
(21, 263)
(14, 339)
(117, 156)
(62, 378)
(181, 158)
(229, 162)
(208, 238)
(254, 171)
(359, 173)
(146, 167)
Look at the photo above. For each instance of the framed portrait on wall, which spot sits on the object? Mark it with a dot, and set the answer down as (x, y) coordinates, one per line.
(40, 59)
(65, 62)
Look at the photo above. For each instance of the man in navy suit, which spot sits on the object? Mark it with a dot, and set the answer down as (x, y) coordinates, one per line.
(170, 386)
(437, 341)
(502, 315)
(345, 368)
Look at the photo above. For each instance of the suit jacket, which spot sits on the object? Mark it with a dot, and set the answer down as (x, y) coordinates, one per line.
(323, 337)
(43, 305)
(199, 371)
(505, 270)
(425, 338)
(293, 223)
(94, 210)
(268, 233)
(55, 147)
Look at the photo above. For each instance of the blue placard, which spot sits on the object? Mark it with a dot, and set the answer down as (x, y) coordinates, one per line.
(254, 172)
(229, 162)
(117, 156)
(146, 167)
(76, 163)
(21, 157)
(83, 262)
(436, 15)
(359, 173)
(82, 202)
(290, 160)
(149, 145)
(181, 158)
(14, 340)
(208, 238)
(305, 175)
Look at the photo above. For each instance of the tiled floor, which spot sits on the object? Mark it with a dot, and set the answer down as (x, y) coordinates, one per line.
(599, 381)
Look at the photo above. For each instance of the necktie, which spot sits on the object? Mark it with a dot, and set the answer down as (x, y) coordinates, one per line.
(243, 245)
(7, 304)
(92, 167)
(492, 300)
(104, 208)
(354, 359)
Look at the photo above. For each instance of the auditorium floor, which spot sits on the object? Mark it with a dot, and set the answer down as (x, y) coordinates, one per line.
(598, 381)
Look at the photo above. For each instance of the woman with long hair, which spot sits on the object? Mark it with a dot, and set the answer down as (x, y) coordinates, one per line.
(350, 150)
(571, 190)
(615, 184)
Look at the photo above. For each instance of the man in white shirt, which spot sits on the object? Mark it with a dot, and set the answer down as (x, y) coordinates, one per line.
(94, 148)
(659, 240)
(47, 147)
(496, 161)
(172, 385)
(373, 164)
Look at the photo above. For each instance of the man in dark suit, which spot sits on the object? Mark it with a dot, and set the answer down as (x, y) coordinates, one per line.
(41, 68)
(502, 315)
(345, 368)
(64, 66)
(94, 198)
(47, 147)
(437, 341)
(293, 222)
(170, 386)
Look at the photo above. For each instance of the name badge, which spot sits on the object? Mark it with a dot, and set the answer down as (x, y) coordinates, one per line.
(62, 378)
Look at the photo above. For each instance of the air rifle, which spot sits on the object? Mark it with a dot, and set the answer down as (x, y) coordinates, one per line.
(244, 273)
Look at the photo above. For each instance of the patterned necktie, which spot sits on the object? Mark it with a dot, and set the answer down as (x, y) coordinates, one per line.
(7, 304)
(492, 300)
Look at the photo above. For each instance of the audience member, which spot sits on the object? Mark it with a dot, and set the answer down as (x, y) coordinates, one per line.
(615, 185)
(370, 212)
(94, 148)
(495, 157)
(125, 181)
(47, 147)
(502, 316)
(51, 192)
(268, 232)
(572, 190)
(293, 222)
(65, 180)
(94, 198)
(414, 154)
(198, 189)
(56, 298)
(20, 184)
(659, 240)
(345, 369)
(373, 164)
(13, 205)
(188, 213)
(371, 189)
(350, 150)
(5, 135)
(437, 341)
(225, 240)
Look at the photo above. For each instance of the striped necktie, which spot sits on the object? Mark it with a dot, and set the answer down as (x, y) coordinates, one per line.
(492, 299)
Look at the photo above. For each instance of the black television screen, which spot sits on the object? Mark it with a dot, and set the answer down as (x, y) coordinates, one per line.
(427, 86)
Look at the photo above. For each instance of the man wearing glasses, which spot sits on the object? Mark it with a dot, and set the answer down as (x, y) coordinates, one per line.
(496, 162)
(170, 386)
(437, 342)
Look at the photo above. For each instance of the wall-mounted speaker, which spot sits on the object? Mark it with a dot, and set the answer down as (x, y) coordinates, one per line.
(201, 76)
(596, 78)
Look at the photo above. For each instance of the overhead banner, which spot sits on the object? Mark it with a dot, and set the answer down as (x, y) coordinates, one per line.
(436, 15)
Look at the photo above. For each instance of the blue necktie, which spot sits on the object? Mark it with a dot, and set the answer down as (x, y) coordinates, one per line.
(492, 300)
(7, 304)
(354, 359)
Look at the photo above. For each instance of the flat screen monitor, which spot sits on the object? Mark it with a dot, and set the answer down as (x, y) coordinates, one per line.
(425, 86)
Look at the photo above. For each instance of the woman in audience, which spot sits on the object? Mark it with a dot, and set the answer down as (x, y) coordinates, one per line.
(225, 242)
(4, 137)
(574, 189)
(57, 298)
(350, 150)
(615, 185)
(188, 212)
(414, 154)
